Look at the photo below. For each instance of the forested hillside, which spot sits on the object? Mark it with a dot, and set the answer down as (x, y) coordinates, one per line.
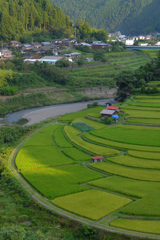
(18, 17)
(128, 16)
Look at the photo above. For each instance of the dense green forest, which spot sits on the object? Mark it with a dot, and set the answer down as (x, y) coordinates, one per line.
(128, 16)
(18, 17)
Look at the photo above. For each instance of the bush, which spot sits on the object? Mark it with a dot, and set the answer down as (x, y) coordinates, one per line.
(108, 120)
(94, 104)
(8, 91)
(62, 63)
(148, 91)
(80, 61)
(143, 89)
(154, 89)
(98, 55)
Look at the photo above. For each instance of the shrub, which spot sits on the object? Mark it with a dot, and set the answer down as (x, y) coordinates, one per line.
(8, 91)
(62, 63)
(148, 90)
(154, 89)
(108, 120)
(143, 89)
(80, 61)
(91, 105)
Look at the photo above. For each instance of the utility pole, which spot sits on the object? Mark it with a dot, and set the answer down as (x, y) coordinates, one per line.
(75, 32)
(2, 50)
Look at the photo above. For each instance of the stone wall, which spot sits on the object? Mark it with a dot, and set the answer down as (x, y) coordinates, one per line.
(99, 92)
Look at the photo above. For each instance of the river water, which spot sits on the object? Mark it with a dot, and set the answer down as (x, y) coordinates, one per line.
(35, 115)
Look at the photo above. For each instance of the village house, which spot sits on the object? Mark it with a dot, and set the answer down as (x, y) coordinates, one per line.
(73, 40)
(143, 44)
(14, 44)
(65, 42)
(26, 56)
(36, 44)
(50, 59)
(45, 43)
(82, 44)
(140, 37)
(129, 42)
(122, 37)
(37, 50)
(73, 55)
(35, 56)
(26, 47)
(116, 109)
(157, 43)
(148, 37)
(99, 45)
(47, 48)
(6, 53)
(97, 159)
(57, 42)
(107, 113)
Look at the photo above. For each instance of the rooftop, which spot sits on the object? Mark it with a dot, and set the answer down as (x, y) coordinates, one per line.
(107, 112)
(112, 108)
(97, 157)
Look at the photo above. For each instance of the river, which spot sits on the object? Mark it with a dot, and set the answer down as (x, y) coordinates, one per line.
(35, 115)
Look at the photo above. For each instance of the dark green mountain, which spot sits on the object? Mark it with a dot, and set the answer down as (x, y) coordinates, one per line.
(128, 16)
(18, 17)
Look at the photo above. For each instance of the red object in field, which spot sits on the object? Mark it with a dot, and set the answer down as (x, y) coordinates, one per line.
(97, 157)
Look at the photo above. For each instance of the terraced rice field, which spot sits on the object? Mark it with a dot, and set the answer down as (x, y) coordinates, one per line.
(114, 193)
(93, 124)
(137, 225)
(85, 203)
(72, 135)
(135, 162)
(143, 121)
(76, 154)
(60, 139)
(128, 172)
(145, 137)
(103, 74)
(98, 140)
(145, 155)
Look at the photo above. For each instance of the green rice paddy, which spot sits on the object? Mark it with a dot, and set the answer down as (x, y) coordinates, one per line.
(131, 135)
(143, 114)
(60, 139)
(40, 157)
(71, 133)
(60, 181)
(90, 137)
(76, 154)
(92, 204)
(145, 155)
(127, 186)
(128, 172)
(137, 225)
(70, 117)
(93, 124)
(143, 121)
(135, 162)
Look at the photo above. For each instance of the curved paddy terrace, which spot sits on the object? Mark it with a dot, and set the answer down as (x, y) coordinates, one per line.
(119, 194)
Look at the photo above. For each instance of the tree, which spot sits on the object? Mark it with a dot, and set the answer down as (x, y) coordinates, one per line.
(154, 89)
(80, 61)
(143, 89)
(98, 55)
(125, 81)
(62, 63)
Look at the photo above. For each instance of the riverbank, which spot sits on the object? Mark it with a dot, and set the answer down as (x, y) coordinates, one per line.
(35, 115)
(38, 97)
